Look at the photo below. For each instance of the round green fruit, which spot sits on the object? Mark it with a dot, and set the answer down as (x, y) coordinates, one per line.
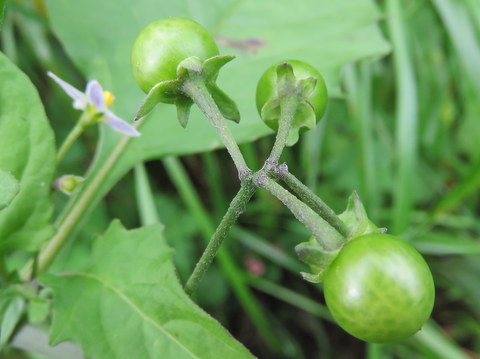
(163, 44)
(379, 289)
(267, 88)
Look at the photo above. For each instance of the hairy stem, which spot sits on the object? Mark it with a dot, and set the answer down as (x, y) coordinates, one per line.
(312, 200)
(236, 208)
(325, 234)
(288, 109)
(195, 88)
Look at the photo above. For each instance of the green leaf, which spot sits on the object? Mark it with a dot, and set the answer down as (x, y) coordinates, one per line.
(8, 188)
(27, 152)
(10, 319)
(132, 280)
(327, 34)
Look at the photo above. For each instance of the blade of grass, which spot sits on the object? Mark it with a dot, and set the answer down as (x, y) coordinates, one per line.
(457, 194)
(460, 28)
(474, 10)
(214, 178)
(406, 117)
(267, 250)
(299, 301)
(235, 276)
(376, 351)
(435, 341)
(289, 296)
(144, 195)
(9, 46)
(311, 148)
(359, 87)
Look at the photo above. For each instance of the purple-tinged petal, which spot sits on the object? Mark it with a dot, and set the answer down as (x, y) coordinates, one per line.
(79, 98)
(94, 94)
(120, 125)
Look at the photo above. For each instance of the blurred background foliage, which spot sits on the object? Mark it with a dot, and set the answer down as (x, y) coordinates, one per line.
(402, 128)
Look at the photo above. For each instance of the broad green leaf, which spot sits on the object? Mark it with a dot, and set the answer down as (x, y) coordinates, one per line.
(129, 304)
(8, 188)
(27, 151)
(98, 35)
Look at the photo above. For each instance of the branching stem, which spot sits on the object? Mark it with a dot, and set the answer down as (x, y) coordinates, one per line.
(195, 88)
(312, 200)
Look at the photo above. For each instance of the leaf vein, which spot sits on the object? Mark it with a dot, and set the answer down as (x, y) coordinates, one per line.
(129, 302)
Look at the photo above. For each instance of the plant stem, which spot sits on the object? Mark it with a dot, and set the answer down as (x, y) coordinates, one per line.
(71, 138)
(68, 222)
(235, 275)
(195, 88)
(288, 108)
(236, 208)
(325, 234)
(312, 200)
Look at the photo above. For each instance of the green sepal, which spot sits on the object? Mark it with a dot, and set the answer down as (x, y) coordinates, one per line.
(9, 188)
(225, 104)
(307, 86)
(317, 258)
(287, 85)
(305, 119)
(208, 71)
(212, 66)
(271, 112)
(170, 91)
(286, 81)
(188, 66)
(183, 110)
(163, 92)
(356, 219)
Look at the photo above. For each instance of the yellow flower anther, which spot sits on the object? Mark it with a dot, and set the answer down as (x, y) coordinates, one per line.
(109, 98)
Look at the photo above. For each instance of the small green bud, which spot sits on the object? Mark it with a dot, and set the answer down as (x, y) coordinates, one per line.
(68, 183)
(292, 78)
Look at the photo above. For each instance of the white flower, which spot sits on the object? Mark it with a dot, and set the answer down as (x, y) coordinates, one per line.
(94, 99)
